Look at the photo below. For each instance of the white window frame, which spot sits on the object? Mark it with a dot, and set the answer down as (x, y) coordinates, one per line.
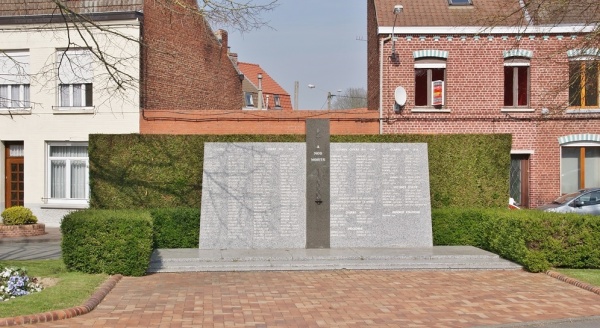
(249, 100)
(429, 64)
(518, 62)
(70, 101)
(67, 199)
(74, 68)
(14, 73)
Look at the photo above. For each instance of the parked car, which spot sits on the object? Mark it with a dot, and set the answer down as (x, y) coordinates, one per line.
(584, 201)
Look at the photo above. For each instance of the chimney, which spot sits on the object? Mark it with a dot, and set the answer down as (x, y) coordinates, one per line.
(234, 57)
(222, 37)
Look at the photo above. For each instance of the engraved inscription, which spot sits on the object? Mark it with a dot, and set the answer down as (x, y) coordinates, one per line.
(253, 196)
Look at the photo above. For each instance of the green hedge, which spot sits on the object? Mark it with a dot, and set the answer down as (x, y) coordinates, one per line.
(535, 239)
(176, 227)
(155, 171)
(107, 241)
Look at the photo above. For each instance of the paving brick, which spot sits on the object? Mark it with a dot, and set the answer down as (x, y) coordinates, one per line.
(341, 298)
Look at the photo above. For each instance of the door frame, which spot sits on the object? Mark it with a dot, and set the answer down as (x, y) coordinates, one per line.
(8, 160)
(524, 163)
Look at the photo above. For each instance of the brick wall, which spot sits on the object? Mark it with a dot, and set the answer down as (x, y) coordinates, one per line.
(355, 121)
(474, 98)
(184, 65)
(372, 58)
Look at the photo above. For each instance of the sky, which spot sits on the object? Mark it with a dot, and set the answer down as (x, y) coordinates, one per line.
(318, 42)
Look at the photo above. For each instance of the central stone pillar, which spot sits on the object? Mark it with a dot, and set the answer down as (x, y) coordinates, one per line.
(317, 184)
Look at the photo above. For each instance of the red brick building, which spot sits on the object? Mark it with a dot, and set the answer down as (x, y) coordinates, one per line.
(468, 66)
(273, 95)
(184, 64)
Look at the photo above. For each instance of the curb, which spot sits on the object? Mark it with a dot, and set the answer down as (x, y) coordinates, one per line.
(574, 282)
(88, 306)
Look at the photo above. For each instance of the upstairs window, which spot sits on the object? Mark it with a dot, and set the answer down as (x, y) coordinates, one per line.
(460, 2)
(249, 100)
(583, 83)
(75, 78)
(430, 77)
(14, 80)
(277, 100)
(516, 82)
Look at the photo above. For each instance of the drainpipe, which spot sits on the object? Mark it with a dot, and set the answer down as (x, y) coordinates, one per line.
(383, 41)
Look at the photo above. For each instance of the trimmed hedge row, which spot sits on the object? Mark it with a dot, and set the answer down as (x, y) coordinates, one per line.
(121, 241)
(176, 227)
(535, 239)
(107, 241)
(153, 171)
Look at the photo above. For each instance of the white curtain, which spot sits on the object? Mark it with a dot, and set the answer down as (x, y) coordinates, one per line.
(78, 179)
(15, 95)
(569, 170)
(3, 96)
(68, 172)
(592, 167)
(68, 151)
(26, 98)
(58, 172)
(77, 95)
(65, 99)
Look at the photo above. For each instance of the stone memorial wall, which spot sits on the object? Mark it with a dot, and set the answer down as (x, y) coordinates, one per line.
(254, 196)
(380, 195)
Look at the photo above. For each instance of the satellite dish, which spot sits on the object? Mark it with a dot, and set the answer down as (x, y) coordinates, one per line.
(400, 96)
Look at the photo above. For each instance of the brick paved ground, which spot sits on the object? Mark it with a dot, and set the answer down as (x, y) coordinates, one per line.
(342, 298)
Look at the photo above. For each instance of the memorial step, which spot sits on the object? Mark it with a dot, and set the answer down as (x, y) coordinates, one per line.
(434, 258)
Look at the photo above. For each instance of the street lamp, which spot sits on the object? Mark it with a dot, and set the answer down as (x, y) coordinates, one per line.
(397, 10)
(329, 95)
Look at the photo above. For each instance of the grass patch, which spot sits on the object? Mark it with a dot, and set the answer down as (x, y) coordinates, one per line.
(590, 276)
(71, 289)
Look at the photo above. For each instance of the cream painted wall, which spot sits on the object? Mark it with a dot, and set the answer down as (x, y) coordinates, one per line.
(115, 111)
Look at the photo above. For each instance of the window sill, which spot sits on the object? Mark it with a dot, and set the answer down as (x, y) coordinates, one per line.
(517, 110)
(72, 110)
(253, 108)
(18, 111)
(591, 110)
(66, 206)
(429, 110)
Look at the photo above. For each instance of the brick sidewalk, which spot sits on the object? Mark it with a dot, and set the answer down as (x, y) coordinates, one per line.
(342, 298)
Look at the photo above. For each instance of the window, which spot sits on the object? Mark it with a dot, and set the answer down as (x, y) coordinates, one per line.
(75, 78)
(14, 80)
(583, 83)
(519, 179)
(277, 100)
(68, 172)
(428, 75)
(460, 2)
(580, 168)
(249, 100)
(516, 83)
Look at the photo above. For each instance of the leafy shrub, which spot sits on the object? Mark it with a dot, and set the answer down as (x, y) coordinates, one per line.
(176, 227)
(535, 239)
(18, 215)
(152, 171)
(457, 226)
(107, 241)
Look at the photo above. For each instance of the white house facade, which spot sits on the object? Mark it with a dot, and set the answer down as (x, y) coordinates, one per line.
(59, 83)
